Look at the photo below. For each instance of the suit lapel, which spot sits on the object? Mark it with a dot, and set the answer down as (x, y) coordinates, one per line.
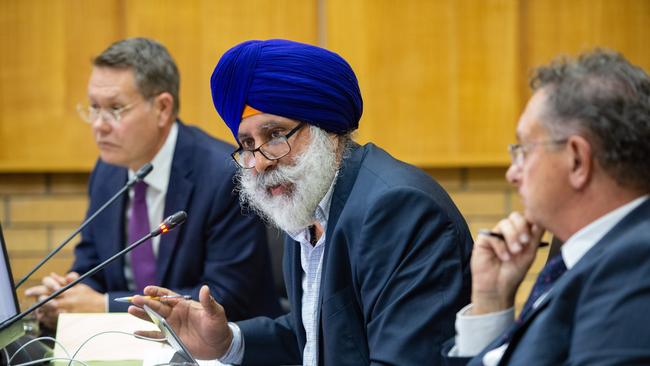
(112, 241)
(178, 195)
(345, 181)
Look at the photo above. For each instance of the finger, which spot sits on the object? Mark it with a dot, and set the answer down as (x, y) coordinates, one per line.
(509, 231)
(522, 228)
(58, 278)
(208, 302)
(51, 283)
(138, 313)
(54, 303)
(158, 291)
(495, 245)
(149, 334)
(36, 291)
(521, 233)
(71, 276)
(164, 309)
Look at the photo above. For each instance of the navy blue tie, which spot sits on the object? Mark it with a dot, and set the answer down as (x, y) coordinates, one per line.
(547, 277)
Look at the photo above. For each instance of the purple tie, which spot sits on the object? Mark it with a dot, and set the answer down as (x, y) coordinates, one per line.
(143, 262)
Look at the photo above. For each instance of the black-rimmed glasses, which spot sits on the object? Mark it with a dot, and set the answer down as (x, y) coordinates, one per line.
(274, 149)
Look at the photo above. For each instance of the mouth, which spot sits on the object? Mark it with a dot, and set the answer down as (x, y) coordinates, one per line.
(103, 145)
(279, 189)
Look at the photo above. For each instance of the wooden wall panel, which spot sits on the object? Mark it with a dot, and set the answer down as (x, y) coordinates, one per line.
(554, 27)
(45, 47)
(45, 63)
(443, 80)
(437, 76)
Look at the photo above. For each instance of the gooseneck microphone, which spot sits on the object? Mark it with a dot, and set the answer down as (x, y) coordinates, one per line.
(139, 175)
(168, 224)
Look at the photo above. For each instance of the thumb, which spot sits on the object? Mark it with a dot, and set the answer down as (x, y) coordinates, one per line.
(210, 305)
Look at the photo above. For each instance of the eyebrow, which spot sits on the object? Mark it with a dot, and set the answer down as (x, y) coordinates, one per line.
(112, 99)
(264, 128)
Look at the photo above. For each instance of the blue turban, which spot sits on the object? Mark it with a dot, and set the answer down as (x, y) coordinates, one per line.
(289, 79)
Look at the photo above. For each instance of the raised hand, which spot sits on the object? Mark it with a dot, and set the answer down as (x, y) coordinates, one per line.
(202, 326)
(499, 266)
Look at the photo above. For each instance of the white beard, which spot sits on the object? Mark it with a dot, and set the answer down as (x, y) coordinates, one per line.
(309, 178)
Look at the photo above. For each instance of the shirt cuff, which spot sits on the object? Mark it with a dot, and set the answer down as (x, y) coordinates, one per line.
(475, 332)
(235, 353)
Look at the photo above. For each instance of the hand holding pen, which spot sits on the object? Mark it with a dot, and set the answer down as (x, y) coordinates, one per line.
(500, 259)
(156, 298)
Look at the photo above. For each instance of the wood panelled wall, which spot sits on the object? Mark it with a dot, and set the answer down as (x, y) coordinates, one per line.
(443, 80)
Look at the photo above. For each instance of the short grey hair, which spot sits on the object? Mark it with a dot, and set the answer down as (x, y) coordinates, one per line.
(604, 98)
(153, 67)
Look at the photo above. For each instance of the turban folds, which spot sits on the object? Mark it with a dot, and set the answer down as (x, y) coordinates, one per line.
(288, 79)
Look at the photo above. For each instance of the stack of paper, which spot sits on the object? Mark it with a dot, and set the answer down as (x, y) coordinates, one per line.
(104, 349)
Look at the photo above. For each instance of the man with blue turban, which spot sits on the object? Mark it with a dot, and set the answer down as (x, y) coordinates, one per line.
(376, 257)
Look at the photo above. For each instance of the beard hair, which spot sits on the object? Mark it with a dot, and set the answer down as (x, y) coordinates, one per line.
(309, 180)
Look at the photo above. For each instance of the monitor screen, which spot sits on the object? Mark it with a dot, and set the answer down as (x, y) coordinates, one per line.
(8, 299)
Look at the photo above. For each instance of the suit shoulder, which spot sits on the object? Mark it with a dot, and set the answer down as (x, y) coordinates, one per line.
(383, 180)
(383, 172)
(204, 140)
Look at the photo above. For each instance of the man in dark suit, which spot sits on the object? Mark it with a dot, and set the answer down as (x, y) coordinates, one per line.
(133, 94)
(581, 167)
(376, 258)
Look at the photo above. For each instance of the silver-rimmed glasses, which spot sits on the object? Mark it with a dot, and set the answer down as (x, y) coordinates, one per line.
(113, 116)
(274, 149)
(518, 151)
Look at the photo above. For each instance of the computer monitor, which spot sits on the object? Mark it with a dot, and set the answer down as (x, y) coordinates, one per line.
(8, 299)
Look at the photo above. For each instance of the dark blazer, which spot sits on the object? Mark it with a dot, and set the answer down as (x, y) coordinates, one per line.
(217, 245)
(395, 272)
(598, 312)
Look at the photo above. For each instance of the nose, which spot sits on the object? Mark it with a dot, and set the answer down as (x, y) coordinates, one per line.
(262, 163)
(101, 125)
(513, 174)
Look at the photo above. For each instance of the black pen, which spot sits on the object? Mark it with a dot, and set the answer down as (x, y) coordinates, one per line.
(500, 236)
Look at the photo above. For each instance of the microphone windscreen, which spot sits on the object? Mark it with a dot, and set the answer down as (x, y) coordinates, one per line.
(142, 172)
(170, 222)
(175, 219)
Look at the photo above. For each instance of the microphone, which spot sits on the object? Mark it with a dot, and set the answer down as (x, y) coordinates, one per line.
(168, 224)
(139, 175)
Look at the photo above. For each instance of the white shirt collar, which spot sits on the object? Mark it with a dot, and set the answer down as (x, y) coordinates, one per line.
(162, 162)
(583, 240)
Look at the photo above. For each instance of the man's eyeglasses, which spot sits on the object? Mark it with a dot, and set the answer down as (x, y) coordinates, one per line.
(113, 116)
(518, 151)
(274, 149)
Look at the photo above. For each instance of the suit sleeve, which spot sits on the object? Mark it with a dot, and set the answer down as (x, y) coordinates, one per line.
(273, 340)
(612, 322)
(413, 276)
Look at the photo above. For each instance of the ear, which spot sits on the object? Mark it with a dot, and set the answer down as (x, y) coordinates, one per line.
(581, 164)
(164, 104)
